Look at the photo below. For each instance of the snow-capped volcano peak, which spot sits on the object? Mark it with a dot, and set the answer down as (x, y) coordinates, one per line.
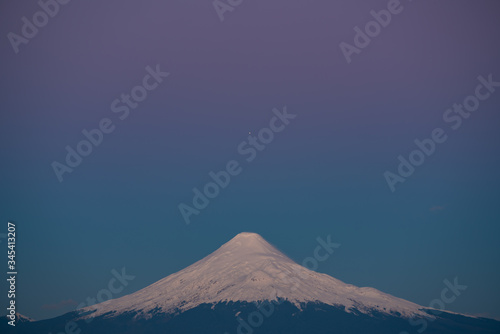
(248, 239)
(248, 236)
(248, 246)
(250, 243)
(248, 268)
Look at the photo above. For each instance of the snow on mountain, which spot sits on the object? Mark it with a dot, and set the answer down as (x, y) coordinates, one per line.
(248, 268)
(23, 318)
(20, 318)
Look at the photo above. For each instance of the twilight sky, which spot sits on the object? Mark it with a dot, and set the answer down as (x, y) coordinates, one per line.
(322, 175)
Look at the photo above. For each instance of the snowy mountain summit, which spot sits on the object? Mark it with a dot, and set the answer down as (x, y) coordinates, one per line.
(248, 286)
(249, 269)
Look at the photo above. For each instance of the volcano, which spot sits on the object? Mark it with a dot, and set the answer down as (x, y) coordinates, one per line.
(247, 286)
